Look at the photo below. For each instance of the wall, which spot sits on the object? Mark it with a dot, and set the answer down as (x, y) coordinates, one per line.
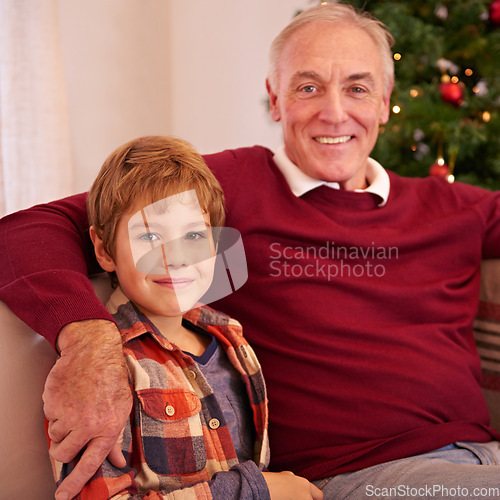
(116, 61)
(190, 68)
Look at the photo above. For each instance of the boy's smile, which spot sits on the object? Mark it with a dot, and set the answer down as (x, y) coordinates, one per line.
(177, 283)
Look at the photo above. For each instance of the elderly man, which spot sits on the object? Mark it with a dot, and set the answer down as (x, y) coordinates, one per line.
(361, 293)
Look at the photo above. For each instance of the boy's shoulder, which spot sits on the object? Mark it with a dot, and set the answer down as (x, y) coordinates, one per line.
(205, 316)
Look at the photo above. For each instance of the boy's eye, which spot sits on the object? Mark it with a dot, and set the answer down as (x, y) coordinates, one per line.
(195, 235)
(148, 237)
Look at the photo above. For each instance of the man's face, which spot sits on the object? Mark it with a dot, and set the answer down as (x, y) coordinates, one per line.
(330, 100)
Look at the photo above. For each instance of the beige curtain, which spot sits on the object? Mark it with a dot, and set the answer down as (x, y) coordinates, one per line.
(35, 156)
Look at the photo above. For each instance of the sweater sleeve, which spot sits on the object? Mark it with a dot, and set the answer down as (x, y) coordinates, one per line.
(47, 256)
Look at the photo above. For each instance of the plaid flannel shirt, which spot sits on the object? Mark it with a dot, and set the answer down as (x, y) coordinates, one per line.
(177, 438)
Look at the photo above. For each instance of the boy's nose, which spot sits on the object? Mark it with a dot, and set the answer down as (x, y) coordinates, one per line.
(173, 254)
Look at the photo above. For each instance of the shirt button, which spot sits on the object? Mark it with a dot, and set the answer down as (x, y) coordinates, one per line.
(214, 424)
(191, 374)
(169, 410)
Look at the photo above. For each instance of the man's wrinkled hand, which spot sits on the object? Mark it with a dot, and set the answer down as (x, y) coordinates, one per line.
(87, 401)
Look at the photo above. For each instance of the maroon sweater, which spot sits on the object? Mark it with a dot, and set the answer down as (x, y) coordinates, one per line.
(361, 316)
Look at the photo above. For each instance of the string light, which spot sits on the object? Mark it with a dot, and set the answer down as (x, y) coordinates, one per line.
(396, 109)
(397, 56)
(414, 93)
(455, 79)
(486, 116)
(469, 72)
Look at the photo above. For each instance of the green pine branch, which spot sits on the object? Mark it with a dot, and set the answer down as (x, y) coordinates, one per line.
(457, 31)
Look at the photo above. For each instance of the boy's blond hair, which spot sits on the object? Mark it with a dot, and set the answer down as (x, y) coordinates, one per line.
(150, 168)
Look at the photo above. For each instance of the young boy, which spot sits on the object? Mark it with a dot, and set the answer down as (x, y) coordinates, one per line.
(198, 426)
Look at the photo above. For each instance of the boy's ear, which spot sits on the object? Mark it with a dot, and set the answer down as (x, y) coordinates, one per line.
(102, 256)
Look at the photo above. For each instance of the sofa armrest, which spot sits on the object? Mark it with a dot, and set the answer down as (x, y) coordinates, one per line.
(487, 333)
(25, 360)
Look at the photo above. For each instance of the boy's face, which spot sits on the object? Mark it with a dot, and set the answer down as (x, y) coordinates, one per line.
(165, 254)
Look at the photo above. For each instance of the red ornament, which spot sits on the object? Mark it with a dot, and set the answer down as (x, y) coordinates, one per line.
(452, 93)
(439, 169)
(495, 12)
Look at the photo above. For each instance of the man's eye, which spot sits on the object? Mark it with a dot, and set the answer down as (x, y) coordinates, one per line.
(308, 89)
(148, 237)
(358, 90)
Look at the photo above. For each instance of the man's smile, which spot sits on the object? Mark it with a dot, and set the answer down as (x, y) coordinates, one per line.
(333, 140)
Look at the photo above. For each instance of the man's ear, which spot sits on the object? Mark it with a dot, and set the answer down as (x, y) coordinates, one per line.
(386, 113)
(102, 256)
(273, 103)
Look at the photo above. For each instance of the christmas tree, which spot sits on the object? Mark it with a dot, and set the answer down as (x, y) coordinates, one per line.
(445, 116)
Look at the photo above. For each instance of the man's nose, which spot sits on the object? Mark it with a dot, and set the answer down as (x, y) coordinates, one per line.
(333, 107)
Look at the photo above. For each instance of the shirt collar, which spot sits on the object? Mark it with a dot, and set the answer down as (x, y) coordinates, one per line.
(300, 183)
(133, 324)
(129, 322)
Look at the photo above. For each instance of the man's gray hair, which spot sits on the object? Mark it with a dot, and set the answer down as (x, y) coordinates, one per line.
(335, 12)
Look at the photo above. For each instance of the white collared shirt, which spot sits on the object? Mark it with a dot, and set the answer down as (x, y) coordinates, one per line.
(300, 183)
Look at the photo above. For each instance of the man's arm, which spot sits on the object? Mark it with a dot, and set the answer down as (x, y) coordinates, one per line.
(46, 258)
(87, 400)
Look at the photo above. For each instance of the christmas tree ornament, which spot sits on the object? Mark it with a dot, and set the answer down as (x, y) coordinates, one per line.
(481, 88)
(419, 135)
(447, 66)
(495, 12)
(441, 11)
(452, 93)
(439, 169)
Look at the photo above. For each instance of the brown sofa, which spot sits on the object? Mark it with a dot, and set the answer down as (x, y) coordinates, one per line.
(26, 358)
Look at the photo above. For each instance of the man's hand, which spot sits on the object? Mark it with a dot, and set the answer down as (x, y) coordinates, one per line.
(287, 486)
(87, 401)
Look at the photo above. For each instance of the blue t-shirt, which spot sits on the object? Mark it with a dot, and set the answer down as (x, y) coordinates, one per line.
(230, 393)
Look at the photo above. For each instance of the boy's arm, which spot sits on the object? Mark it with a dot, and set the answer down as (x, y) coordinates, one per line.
(46, 257)
(87, 400)
(244, 482)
